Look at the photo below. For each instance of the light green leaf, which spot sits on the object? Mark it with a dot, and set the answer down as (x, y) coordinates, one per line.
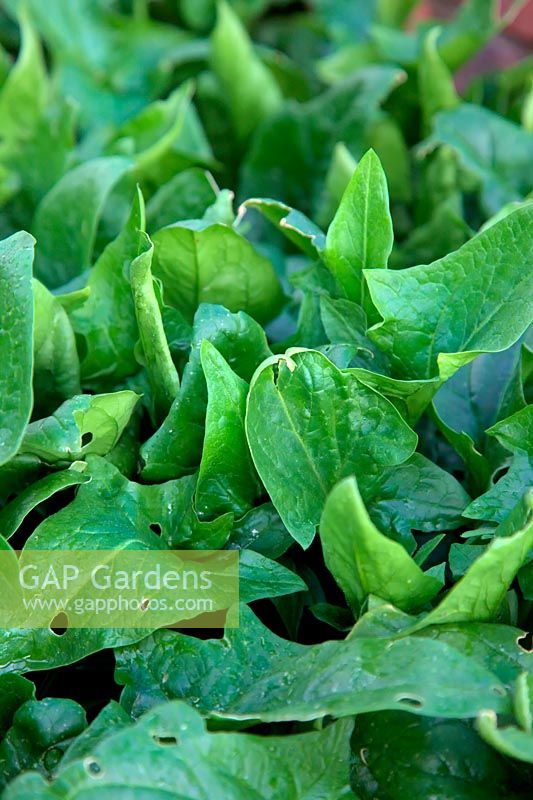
(340, 172)
(176, 447)
(360, 236)
(84, 424)
(435, 83)
(496, 151)
(363, 561)
(199, 262)
(16, 342)
(66, 220)
(170, 753)
(327, 424)
(251, 91)
(56, 367)
(107, 319)
(510, 740)
(185, 196)
(438, 317)
(154, 349)
(226, 479)
(24, 94)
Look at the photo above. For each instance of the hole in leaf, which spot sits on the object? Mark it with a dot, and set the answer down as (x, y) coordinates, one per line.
(412, 702)
(93, 768)
(86, 439)
(165, 741)
(499, 474)
(156, 528)
(59, 624)
(525, 642)
(499, 690)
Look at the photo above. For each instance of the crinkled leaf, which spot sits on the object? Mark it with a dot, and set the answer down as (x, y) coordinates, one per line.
(267, 678)
(170, 752)
(328, 425)
(440, 316)
(479, 594)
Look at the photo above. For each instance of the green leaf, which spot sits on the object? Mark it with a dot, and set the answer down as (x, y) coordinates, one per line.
(472, 301)
(262, 577)
(40, 733)
(475, 23)
(164, 137)
(510, 740)
(199, 262)
(479, 594)
(15, 691)
(498, 153)
(170, 752)
(26, 650)
(111, 719)
(280, 680)
(298, 229)
(84, 424)
(106, 319)
(56, 366)
(516, 434)
(291, 152)
(262, 530)
(24, 93)
(176, 448)
(339, 175)
(66, 220)
(360, 236)
(186, 196)
(250, 89)
(467, 769)
(226, 478)
(328, 425)
(111, 511)
(154, 349)
(14, 513)
(16, 342)
(436, 87)
(414, 496)
(464, 410)
(513, 741)
(363, 561)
